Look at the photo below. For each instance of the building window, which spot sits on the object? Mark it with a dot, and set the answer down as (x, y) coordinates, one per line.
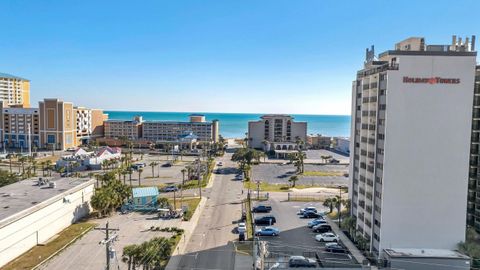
(68, 139)
(50, 139)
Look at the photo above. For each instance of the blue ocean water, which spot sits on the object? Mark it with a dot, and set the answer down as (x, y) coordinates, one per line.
(234, 125)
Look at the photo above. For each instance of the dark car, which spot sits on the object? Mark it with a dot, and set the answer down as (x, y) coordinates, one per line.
(265, 220)
(170, 189)
(322, 228)
(300, 261)
(335, 248)
(311, 214)
(167, 164)
(262, 209)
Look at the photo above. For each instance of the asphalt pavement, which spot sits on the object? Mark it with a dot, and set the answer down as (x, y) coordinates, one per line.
(211, 246)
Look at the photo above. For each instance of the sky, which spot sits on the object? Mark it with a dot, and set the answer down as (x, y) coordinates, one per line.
(252, 56)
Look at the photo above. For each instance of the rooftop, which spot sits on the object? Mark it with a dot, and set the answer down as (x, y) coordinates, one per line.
(424, 253)
(9, 76)
(144, 192)
(24, 196)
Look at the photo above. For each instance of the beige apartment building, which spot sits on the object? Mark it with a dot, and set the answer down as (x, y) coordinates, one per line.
(129, 129)
(276, 132)
(19, 126)
(57, 124)
(89, 124)
(14, 91)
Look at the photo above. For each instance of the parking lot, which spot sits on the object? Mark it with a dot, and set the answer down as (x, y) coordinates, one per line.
(315, 155)
(278, 173)
(297, 239)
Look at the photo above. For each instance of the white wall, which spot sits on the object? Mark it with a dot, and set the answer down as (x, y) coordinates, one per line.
(426, 161)
(37, 227)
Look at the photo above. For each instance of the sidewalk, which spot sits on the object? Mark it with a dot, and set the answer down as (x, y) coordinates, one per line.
(346, 242)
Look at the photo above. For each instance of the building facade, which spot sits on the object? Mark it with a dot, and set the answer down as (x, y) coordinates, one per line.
(276, 131)
(171, 131)
(129, 129)
(18, 127)
(410, 145)
(473, 211)
(14, 91)
(58, 126)
(89, 124)
(319, 142)
(34, 211)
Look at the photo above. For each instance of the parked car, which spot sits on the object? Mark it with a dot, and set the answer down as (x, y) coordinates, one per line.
(267, 231)
(220, 164)
(239, 177)
(262, 209)
(168, 164)
(326, 237)
(310, 208)
(315, 222)
(300, 261)
(335, 248)
(322, 228)
(265, 220)
(334, 161)
(170, 189)
(241, 227)
(310, 214)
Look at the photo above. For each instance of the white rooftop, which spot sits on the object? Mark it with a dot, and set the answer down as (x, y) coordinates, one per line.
(19, 198)
(424, 253)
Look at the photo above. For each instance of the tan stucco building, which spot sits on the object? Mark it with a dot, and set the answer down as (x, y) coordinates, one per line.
(57, 124)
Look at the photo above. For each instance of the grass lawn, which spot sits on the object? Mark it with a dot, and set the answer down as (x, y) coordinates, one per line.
(39, 253)
(249, 221)
(322, 173)
(245, 247)
(192, 204)
(272, 187)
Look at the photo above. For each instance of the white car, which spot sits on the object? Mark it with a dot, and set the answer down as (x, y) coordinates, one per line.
(326, 237)
(241, 227)
(220, 164)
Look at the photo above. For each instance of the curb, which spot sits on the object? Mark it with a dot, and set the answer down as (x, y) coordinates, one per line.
(63, 248)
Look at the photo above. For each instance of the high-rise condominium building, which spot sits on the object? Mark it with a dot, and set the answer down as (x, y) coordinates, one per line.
(410, 145)
(128, 129)
(14, 90)
(19, 126)
(473, 211)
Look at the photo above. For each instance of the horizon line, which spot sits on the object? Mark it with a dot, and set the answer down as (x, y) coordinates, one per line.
(147, 111)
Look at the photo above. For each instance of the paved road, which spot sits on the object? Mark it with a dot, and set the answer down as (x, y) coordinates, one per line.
(210, 246)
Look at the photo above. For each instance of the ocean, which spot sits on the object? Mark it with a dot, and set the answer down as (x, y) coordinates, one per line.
(234, 125)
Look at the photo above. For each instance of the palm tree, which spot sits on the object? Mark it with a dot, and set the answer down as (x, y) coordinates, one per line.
(48, 163)
(293, 179)
(330, 203)
(34, 164)
(153, 164)
(124, 173)
(130, 172)
(42, 163)
(140, 170)
(22, 161)
(10, 157)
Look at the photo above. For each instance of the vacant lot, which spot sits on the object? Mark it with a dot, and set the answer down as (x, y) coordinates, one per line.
(315, 175)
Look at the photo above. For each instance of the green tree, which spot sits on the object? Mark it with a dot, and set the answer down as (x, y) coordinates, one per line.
(111, 195)
(330, 203)
(10, 157)
(293, 179)
(153, 164)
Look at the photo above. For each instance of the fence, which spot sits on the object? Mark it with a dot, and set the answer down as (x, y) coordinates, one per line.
(306, 197)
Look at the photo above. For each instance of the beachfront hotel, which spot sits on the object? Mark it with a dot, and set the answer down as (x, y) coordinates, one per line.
(410, 146)
(14, 91)
(160, 132)
(276, 132)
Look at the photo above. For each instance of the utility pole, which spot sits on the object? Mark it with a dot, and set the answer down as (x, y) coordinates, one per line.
(29, 141)
(340, 208)
(107, 242)
(258, 190)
